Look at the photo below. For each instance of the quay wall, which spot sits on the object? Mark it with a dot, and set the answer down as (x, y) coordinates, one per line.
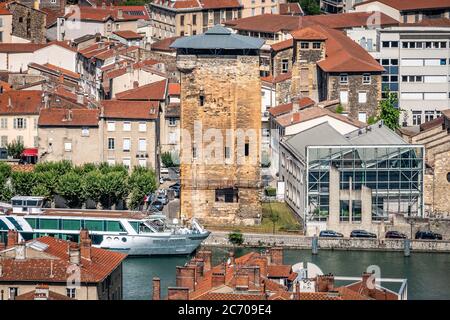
(220, 238)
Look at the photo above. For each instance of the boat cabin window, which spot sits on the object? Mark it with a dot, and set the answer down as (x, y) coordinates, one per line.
(71, 224)
(114, 226)
(49, 224)
(94, 225)
(143, 228)
(3, 226)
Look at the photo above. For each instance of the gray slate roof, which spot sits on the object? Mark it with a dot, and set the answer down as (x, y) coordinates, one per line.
(218, 37)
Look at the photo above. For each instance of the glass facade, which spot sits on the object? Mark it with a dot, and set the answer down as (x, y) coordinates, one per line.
(351, 180)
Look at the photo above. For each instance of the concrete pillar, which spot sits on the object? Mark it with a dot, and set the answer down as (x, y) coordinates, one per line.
(315, 245)
(366, 206)
(333, 218)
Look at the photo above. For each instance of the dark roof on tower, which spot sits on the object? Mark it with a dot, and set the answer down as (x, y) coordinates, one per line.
(218, 37)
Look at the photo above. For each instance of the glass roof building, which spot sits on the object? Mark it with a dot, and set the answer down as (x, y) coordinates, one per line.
(362, 177)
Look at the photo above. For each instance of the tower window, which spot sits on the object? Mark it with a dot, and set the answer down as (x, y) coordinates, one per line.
(202, 100)
(247, 149)
(227, 195)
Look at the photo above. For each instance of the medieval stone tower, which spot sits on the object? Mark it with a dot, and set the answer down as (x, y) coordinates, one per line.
(220, 127)
(309, 48)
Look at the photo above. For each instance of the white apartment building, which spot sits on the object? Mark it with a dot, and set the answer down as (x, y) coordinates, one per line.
(417, 63)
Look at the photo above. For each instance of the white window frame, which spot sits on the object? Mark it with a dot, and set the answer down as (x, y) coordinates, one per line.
(142, 126)
(126, 126)
(362, 96)
(126, 141)
(111, 126)
(343, 93)
(67, 146)
(343, 76)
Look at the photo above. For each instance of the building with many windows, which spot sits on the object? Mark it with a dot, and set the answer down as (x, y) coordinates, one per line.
(359, 180)
(416, 60)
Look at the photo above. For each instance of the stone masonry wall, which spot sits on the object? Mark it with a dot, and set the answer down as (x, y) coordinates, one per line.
(277, 61)
(231, 89)
(28, 23)
(355, 85)
(437, 185)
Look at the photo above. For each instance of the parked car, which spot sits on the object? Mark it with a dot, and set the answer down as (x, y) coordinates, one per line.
(176, 189)
(330, 234)
(162, 198)
(428, 235)
(362, 234)
(156, 206)
(395, 235)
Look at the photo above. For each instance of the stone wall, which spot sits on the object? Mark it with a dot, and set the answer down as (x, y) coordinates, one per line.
(218, 238)
(230, 88)
(283, 91)
(277, 61)
(355, 85)
(437, 185)
(28, 23)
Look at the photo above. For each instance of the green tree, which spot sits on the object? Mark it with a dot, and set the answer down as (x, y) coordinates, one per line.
(339, 109)
(70, 187)
(310, 7)
(22, 182)
(166, 159)
(46, 184)
(114, 188)
(236, 238)
(93, 186)
(388, 112)
(5, 170)
(142, 182)
(5, 189)
(15, 149)
(59, 167)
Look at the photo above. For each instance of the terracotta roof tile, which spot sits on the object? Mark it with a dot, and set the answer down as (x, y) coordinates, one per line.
(20, 102)
(122, 109)
(53, 68)
(61, 117)
(291, 9)
(230, 296)
(164, 45)
(219, 4)
(282, 45)
(442, 22)
(308, 33)
(20, 47)
(279, 78)
(279, 271)
(174, 89)
(31, 295)
(102, 14)
(128, 34)
(152, 91)
(410, 4)
(287, 107)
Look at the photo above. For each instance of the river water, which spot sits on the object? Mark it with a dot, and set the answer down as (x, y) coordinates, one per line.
(428, 274)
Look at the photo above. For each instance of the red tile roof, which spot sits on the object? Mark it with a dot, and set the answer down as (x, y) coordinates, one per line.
(282, 45)
(55, 69)
(4, 11)
(62, 117)
(273, 23)
(178, 4)
(32, 295)
(48, 269)
(164, 44)
(313, 113)
(279, 271)
(403, 5)
(20, 47)
(432, 124)
(358, 288)
(279, 78)
(287, 107)
(442, 22)
(308, 33)
(291, 8)
(128, 34)
(230, 296)
(220, 4)
(101, 14)
(23, 102)
(122, 109)
(174, 89)
(204, 4)
(151, 91)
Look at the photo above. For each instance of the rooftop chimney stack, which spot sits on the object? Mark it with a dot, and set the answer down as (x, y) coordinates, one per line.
(177, 293)
(20, 251)
(276, 256)
(205, 255)
(217, 279)
(120, 13)
(185, 277)
(156, 289)
(74, 254)
(13, 239)
(86, 244)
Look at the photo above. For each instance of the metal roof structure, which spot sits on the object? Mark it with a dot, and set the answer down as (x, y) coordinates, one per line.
(218, 37)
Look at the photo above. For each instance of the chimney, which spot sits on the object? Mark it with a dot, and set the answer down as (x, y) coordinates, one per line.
(1, 270)
(253, 273)
(86, 244)
(185, 277)
(9, 102)
(103, 5)
(261, 262)
(325, 283)
(2, 246)
(198, 265)
(74, 254)
(231, 258)
(295, 105)
(69, 115)
(36, 4)
(13, 239)
(119, 13)
(242, 281)
(205, 255)
(156, 294)
(80, 98)
(217, 279)
(135, 84)
(20, 251)
(41, 292)
(276, 256)
(177, 293)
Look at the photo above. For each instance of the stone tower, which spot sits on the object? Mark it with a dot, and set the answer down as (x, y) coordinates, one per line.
(309, 48)
(220, 127)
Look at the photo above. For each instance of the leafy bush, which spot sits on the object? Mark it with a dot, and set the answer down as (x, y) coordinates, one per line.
(339, 109)
(271, 192)
(15, 149)
(236, 238)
